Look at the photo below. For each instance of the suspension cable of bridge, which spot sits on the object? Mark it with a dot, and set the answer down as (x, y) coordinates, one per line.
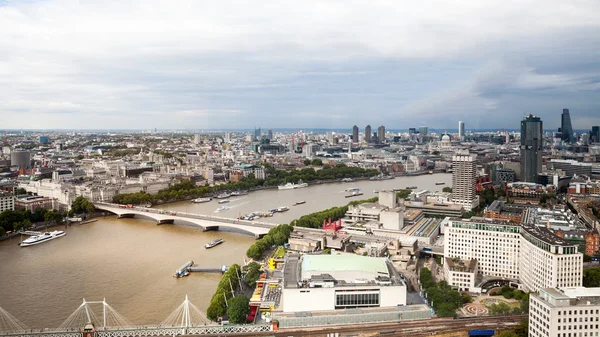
(9, 323)
(84, 314)
(186, 315)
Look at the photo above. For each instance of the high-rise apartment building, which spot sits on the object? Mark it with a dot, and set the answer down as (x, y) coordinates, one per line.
(463, 181)
(381, 134)
(461, 130)
(531, 148)
(495, 245)
(596, 134)
(355, 134)
(7, 201)
(368, 134)
(547, 260)
(565, 312)
(566, 127)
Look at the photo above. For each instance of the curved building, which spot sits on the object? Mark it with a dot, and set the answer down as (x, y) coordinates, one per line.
(548, 261)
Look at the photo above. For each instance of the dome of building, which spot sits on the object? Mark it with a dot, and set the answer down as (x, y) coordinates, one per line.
(445, 138)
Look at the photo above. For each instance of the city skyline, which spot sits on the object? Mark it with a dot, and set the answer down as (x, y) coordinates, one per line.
(212, 65)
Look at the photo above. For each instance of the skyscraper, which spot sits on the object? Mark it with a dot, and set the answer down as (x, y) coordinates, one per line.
(368, 134)
(463, 181)
(531, 148)
(596, 134)
(424, 131)
(355, 134)
(380, 134)
(461, 130)
(270, 134)
(565, 126)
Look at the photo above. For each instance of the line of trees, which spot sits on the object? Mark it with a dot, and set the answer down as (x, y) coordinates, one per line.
(14, 220)
(444, 300)
(277, 236)
(218, 307)
(315, 220)
(188, 190)
(591, 277)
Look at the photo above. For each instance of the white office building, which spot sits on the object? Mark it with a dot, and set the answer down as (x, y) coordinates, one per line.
(463, 181)
(565, 312)
(330, 282)
(495, 245)
(461, 274)
(548, 261)
(7, 201)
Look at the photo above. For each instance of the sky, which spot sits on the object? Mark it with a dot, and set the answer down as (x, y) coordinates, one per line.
(185, 64)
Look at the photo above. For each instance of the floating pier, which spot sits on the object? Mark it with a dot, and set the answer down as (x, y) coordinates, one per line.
(221, 270)
(183, 270)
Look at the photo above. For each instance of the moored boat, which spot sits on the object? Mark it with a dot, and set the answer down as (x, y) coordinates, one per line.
(222, 208)
(201, 200)
(213, 243)
(223, 196)
(299, 203)
(237, 193)
(354, 194)
(290, 186)
(283, 209)
(42, 237)
(223, 201)
(347, 180)
(440, 183)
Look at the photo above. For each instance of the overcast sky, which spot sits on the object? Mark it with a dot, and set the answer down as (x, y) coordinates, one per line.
(297, 64)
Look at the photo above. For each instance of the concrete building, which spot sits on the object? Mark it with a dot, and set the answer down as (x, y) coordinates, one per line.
(244, 170)
(381, 134)
(463, 181)
(596, 134)
(7, 201)
(564, 312)
(461, 274)
(461, 130)
(495, 245)
(368, 134)
(570, 167)
(21, 159)
(504, 175)
(531, 148)
(355, 134)
(330, 282)
(197, 139)
(31, 203)
(548, 261)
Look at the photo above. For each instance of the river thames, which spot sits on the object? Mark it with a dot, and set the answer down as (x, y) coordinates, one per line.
(131, 262)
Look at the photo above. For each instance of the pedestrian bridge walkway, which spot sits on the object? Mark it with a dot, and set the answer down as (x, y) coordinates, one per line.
(206, 222)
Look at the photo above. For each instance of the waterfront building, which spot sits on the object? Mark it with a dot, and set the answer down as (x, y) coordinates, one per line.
(7, 201)
(531, 148)
(381, 134)
(368, 134)
(494, 244)
(244, 170)
(345, 281)
(463, 181)
(548, 261)
(31, 203)
(564, 312)
(461, 130)
(355, 134)
(461, 274)
(565, 126)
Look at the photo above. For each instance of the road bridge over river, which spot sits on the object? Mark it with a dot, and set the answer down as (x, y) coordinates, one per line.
(205, 222)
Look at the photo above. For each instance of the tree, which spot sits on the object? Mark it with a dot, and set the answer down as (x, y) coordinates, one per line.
(20, 191)
(591, 277)
(307, 162)
(82, 206)
(238, 309)
(447, 189)
(317, 162)
(2, 231)
(522, 330)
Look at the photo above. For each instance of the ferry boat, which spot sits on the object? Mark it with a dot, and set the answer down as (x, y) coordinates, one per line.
(283, 209)
(354, 194)
(440, 183)
(237, 193)
(201, 200)
(42, 237)
(352, 189)
(381, 177)
(223, 196)
(347, 180)
(213, 243)
(223, 201)
(222, 208)
(290, 186)
(299, 203)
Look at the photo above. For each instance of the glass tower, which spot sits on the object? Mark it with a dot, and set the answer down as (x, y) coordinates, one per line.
(565, 126)
(531, 148)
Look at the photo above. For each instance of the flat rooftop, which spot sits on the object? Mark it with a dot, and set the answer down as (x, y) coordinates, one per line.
(545, 235)
(343, 262)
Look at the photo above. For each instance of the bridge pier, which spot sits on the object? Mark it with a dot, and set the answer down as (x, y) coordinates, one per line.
(165, 222)
(120, 216)
(211, 228)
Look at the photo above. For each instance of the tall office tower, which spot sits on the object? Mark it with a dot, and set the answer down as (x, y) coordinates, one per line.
(355, 134)
(547, 260)
(565, 126)
(596, 134)
(461, 130)
(270, 134)
(424, 131)
(196, 139)
(463, 181)
(380, 134)
(531, 148)
(368, 134)
(257, 133)
(563, 312)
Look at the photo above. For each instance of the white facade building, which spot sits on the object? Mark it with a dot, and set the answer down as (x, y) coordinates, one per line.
(495, 245)
(548, 261)
(329, 282)
(463, 181)
(7, 201)
(461, 274)
(566, 312)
